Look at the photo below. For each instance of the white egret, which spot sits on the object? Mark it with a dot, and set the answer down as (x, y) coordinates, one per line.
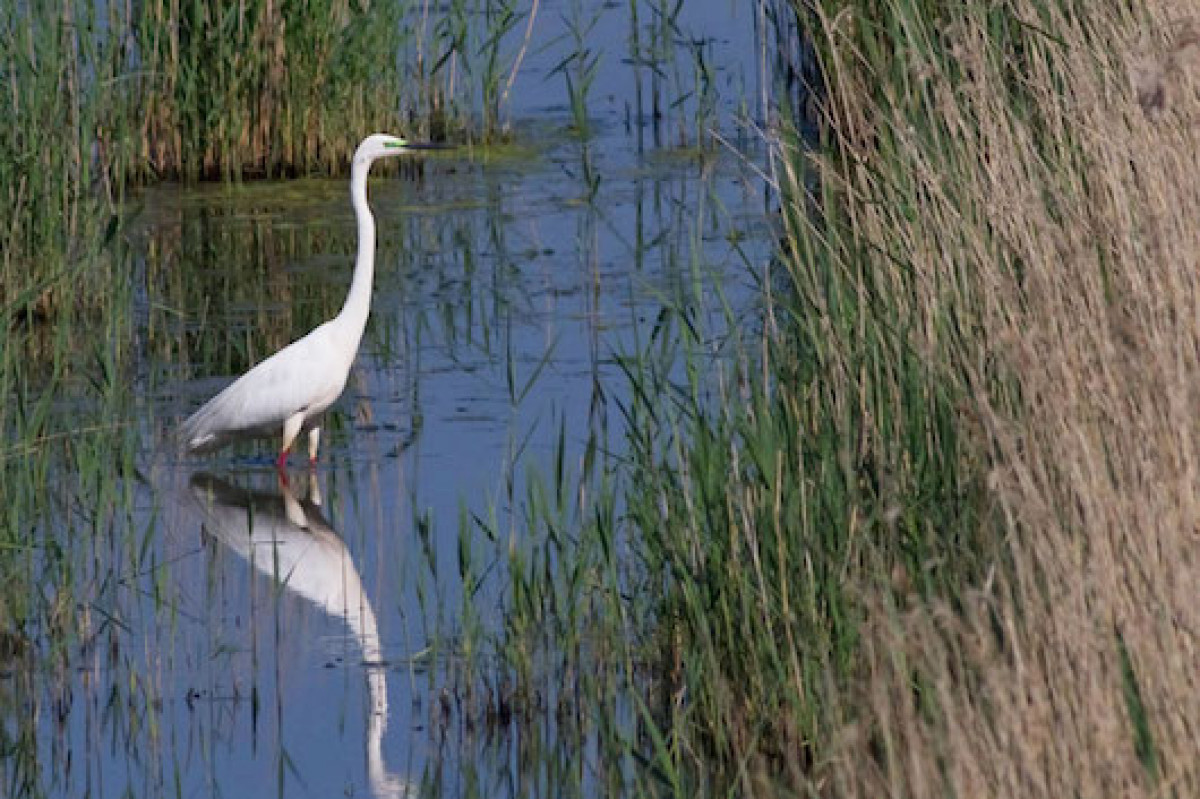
(287, 393)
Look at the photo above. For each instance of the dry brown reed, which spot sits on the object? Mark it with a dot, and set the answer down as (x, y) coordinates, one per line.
(1050, 227)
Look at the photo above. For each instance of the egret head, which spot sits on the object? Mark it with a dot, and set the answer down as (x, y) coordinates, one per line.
(382, 145)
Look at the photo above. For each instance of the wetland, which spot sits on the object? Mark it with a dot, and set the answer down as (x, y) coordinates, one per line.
(335, 634)
(776, 398)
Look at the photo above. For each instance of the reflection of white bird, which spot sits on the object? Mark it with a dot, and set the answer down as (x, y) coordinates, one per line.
(290, 540)
(289, 391)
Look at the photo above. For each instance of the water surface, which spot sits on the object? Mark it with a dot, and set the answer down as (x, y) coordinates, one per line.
(253, 637)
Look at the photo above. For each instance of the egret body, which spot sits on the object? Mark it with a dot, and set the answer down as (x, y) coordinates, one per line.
(287, 393)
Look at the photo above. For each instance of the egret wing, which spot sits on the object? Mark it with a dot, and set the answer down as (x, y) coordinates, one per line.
(307, 374)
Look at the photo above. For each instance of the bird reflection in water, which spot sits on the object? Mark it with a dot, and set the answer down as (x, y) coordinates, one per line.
(289, 539)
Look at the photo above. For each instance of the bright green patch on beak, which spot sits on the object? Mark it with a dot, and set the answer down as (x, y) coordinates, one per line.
(396, 145)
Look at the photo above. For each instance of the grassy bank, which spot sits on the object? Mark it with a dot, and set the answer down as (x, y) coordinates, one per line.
(105, 96)
(931, 532)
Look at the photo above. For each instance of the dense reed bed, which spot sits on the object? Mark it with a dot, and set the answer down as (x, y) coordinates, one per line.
(108, 95)
(104, 96)
(932, 532)
(1024, 178)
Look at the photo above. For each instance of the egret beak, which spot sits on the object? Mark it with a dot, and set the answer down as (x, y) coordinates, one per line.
(428, 145)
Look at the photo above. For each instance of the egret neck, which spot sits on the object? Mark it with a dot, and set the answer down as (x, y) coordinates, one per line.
(353, 316)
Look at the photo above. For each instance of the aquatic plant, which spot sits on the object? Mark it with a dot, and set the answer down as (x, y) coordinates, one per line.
(258, 89)
(1035, 217)
(923, 534)
(108, 95)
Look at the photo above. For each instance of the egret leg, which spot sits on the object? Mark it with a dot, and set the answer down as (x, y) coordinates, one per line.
(314, 489)
(291, 429)
(314, 441)
(292, 509)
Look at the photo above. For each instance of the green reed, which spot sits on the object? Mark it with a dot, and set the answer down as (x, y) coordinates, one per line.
(462, 60)
(66, 472)
(771, 488)
(107, 95)
(260, 89)
(54, 197)
(721, 563)
(802, 562)
(580, 67)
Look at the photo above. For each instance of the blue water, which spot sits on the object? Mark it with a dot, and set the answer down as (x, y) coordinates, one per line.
(276, 642)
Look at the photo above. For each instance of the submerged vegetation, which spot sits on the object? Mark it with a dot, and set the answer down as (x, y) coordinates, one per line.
(922, 526)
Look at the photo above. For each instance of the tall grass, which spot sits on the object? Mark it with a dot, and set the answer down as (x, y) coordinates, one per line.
(461, 62)
(1040, 223)
(102, 95)
(54, 198)
(259, 89)
(68, 446)
(931, 531)
(107, 95)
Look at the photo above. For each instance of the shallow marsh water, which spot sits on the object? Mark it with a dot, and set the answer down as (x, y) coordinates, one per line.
(253, 638)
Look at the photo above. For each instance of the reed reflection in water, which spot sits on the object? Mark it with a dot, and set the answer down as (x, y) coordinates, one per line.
(288, 538)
